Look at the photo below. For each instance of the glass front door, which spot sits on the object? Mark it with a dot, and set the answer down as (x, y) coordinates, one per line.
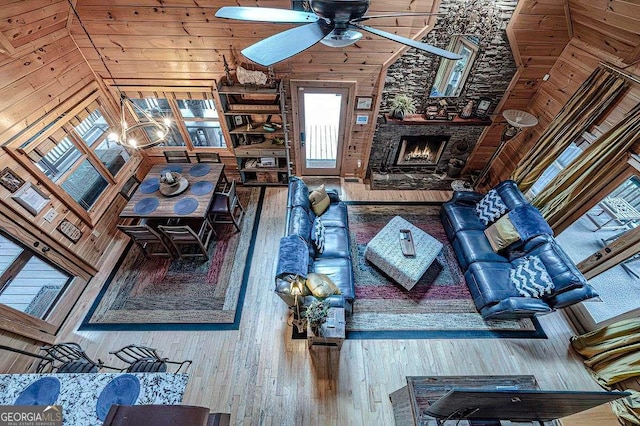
(322, 124)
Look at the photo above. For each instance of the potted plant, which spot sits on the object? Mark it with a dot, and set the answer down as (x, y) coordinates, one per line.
(402, 105)
(316, 314)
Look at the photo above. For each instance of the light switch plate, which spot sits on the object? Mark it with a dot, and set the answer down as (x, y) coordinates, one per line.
(51, 215)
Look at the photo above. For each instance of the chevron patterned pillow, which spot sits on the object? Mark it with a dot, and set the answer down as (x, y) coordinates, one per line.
(530, 277)
(491, 207)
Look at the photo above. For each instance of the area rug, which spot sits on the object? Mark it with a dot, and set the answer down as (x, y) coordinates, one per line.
(184, 294)
(439, 306)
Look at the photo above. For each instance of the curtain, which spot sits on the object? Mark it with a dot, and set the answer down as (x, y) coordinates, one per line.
(588, 170)
(612, 352)
(585, 106)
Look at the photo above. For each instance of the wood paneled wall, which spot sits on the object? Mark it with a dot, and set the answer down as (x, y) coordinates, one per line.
(590, 45)
(573, 67)
(181, 43)
(538, 33)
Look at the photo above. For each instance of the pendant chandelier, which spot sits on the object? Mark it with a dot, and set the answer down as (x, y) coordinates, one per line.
(147, 132)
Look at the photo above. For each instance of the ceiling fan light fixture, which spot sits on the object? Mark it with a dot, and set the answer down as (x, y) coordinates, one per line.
(341, 39)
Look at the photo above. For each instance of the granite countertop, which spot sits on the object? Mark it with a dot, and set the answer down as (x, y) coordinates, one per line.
(79, 392)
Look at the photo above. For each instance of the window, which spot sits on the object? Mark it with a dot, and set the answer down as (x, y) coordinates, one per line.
(194, 119)
(572, 152)
(78, 155)
(94, 131)
(202, 123)
(161, 111)
(28, 283)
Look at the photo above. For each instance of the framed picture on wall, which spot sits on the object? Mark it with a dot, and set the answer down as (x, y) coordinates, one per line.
(482, 109)
(31, 198)
(364, 103)
(10, 180)
(362, 119)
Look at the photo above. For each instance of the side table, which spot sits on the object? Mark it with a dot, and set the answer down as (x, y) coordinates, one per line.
(332, 332)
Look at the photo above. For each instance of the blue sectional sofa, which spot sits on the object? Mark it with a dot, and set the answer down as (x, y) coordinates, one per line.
(298, 254)
(489, 273)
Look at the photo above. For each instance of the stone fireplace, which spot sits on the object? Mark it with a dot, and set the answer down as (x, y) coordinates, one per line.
(418, 151)
(414, 153)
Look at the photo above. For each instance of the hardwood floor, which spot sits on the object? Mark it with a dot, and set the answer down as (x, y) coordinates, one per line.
(261, 376)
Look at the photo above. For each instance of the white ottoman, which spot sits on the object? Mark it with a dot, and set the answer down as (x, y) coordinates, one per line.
(384, 252)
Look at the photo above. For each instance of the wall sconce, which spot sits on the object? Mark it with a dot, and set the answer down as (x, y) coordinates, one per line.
(516, 121)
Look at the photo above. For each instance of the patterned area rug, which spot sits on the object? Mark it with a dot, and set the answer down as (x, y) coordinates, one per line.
(184, 294)
(439, 306)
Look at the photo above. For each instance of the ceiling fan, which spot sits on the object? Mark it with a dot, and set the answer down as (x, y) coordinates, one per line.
(333, 23)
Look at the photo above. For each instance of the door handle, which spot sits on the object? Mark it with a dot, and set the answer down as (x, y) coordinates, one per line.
(302, 139)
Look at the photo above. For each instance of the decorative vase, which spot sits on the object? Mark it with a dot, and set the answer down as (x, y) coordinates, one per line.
(454, 167)
(399, 115)
(467, 111)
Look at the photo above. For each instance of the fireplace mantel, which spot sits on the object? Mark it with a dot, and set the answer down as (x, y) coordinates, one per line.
(421, 120)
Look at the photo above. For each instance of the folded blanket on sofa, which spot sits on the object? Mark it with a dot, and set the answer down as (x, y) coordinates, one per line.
(529, 222)
(293, 257)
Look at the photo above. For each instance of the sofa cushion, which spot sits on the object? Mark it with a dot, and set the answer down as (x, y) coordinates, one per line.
(459, 217)
(319, 200)
(489, 283)
(563, 271)
(501, 234)
(300, 224)
(569, 297)
(530, 277)
(336, 243)
(514, 308)
(321, 286)
(336, 216)
(472, 246)
(339, 270)
(298, 194)
(491, 207)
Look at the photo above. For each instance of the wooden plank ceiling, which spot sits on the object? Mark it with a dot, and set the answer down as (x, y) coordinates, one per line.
(23, 22)
(183, 42)
(612, 26)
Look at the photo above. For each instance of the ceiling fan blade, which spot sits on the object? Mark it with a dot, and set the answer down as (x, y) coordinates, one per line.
(287, 43)
(418, 45)
(266, 14)
(393, 15)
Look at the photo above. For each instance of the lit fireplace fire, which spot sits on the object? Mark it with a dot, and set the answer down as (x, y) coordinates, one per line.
(420, 150)
(424, 154)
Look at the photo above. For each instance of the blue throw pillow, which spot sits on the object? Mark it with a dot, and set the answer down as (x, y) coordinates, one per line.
(530, 277)
(491, 207)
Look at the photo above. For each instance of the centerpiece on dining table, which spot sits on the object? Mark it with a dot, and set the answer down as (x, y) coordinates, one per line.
(172, 183)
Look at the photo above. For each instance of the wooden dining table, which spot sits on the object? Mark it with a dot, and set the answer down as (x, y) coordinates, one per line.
(193, 203)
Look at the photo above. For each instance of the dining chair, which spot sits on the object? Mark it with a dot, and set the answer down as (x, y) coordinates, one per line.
(176, 156)
(184, 237)
(226, 207)
(214, 157)
(149, 240)
(129, 187)
(142, 359)
(68, 358)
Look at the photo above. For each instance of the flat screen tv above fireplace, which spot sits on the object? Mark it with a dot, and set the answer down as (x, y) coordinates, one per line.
(420, 151)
